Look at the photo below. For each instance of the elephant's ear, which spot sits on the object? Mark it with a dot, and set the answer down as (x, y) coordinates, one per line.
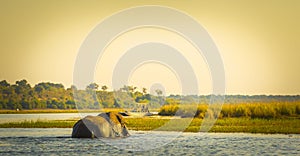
(120, 118)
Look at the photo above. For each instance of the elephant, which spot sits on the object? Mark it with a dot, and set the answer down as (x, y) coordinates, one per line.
(105, 125)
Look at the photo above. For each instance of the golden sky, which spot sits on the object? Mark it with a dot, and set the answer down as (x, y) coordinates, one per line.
(259, 41)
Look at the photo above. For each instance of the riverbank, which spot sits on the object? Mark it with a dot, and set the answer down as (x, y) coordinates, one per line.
(226, 125)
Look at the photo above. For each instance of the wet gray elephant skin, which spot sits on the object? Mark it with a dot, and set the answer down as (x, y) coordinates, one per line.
(105, 125)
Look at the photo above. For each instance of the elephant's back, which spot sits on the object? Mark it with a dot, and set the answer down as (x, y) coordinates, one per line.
(95, 121)
(97, 126)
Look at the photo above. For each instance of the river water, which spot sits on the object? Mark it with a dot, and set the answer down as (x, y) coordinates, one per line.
(57, 141)
(42, 116)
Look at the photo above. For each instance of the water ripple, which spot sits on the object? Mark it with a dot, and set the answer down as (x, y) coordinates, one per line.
(58, 142)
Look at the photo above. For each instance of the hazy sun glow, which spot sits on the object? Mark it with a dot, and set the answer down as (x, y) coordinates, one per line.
(151, 73)
(259, 42)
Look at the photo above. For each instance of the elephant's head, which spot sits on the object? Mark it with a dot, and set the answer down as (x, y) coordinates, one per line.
(117, 122)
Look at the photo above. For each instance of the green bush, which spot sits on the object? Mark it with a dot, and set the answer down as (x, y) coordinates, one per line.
(168, 110)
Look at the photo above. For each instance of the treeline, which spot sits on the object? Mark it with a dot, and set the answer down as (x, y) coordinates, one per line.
(54, 96)
(44, 95)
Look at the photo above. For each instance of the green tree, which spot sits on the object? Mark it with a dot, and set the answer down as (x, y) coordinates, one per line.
(144, 90)
(4, 83)
(92, 86)
(104, 88)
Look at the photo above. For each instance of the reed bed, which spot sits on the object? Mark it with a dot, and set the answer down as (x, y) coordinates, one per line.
(253, 110)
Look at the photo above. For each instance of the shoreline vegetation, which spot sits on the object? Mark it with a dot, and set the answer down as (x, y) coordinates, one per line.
(47, 95)
(226, 125)
(239, 118)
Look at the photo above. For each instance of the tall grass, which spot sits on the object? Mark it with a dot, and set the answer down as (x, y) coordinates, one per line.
(257, 110)
(247, 125)
(40, 124)
(183, 110)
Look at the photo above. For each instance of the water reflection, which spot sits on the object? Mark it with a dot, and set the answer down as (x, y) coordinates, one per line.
(43, 116)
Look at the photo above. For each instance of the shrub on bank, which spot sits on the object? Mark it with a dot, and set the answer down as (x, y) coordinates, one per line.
(168, 110)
